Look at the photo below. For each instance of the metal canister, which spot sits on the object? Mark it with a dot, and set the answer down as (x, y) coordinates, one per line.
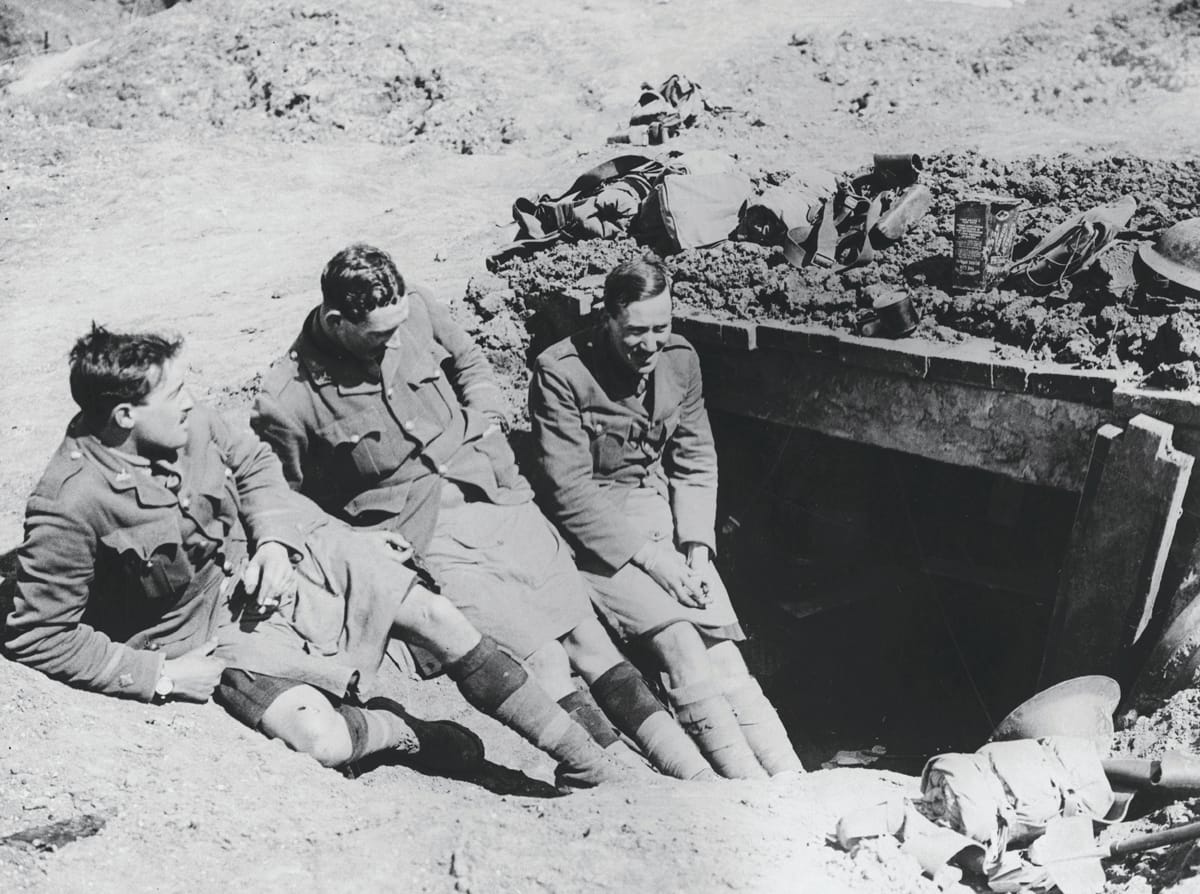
(985, 228)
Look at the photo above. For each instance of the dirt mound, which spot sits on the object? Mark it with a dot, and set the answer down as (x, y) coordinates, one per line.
(1050, 58)
(290, 71)
(1099, 322)
(52, 25)
(1173, 727)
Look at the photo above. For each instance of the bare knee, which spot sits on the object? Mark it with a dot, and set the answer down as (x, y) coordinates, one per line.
(552, 669)
(727, 658)
(431, 621)
(590, 650)
(682, 653)
(304, 720)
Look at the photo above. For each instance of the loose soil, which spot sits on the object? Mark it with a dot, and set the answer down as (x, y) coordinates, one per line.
(1103, 319)
(192, 169)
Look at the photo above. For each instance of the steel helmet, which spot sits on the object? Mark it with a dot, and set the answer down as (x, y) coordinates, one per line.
(1082, 707)
(1176, 256)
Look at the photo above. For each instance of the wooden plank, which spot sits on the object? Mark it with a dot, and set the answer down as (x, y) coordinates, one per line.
(1131, 501)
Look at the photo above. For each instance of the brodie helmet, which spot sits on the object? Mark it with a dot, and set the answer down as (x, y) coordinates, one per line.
(1176, 255)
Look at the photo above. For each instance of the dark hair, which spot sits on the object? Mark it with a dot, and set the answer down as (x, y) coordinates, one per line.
(634, 280)
(358, 279)
(110, 368)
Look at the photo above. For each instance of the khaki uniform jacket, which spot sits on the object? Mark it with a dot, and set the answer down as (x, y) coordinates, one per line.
(375, 454)
(595, 441)
(118, 572)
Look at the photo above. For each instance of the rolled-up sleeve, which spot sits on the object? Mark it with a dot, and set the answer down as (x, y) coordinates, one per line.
(56, 567)
(690, 461)
(563, 478)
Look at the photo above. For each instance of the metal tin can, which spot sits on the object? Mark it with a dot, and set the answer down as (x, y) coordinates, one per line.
(985, 228)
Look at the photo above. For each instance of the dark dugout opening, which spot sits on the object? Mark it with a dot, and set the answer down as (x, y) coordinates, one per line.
(891, 600)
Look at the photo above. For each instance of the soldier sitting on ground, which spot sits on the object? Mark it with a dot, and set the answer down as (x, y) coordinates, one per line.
(386, 414)
(166, 558)
(627, 468)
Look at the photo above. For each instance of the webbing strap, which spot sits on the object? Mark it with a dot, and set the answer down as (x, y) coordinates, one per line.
(824, 253)
(854, 247)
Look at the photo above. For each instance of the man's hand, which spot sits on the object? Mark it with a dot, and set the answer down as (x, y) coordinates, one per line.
(669, 570)
(269, 575)
(394, 545)
(195, 674)
(698, 556)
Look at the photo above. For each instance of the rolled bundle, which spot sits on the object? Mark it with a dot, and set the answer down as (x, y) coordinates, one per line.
(962, 792)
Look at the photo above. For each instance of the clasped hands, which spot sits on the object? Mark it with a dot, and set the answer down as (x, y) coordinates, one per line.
(683, 576)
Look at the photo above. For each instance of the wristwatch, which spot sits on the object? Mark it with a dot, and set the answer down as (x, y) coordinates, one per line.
(163, 688)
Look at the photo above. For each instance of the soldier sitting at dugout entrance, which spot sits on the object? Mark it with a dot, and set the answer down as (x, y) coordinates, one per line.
(387, 415)
(166, 558)
(627, 468)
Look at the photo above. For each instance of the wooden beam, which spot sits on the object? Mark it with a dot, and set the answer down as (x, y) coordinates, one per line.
(1131, 500)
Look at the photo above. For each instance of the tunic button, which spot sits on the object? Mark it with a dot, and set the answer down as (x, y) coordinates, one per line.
(75, 454)
(443, 469)
(185, 502)
(293, 354)
(391, 391)
(354, 439)
(228, 472)
(408, 425)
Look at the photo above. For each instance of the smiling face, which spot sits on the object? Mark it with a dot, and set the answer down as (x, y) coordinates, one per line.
(366, 339)
(158, 424)
(639, 331)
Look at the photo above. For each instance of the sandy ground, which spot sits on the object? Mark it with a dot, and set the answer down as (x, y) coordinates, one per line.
(193, 170)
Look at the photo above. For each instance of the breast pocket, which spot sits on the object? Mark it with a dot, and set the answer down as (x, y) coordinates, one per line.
(152, 554)
(660, 432)
(365, 446)
(609, 437)
(219, 490)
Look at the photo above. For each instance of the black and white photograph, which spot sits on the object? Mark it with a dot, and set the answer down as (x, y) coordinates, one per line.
(475, 446)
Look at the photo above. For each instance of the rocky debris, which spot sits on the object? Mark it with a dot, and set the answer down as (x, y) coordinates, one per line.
(1169, 869)
(296, 72)
(52, 836)
(1097, 321)
(1173, 727)
(1121, 53)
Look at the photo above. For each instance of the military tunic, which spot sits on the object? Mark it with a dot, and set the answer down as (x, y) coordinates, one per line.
(127, 563)
(418, 449)
(615, 469)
